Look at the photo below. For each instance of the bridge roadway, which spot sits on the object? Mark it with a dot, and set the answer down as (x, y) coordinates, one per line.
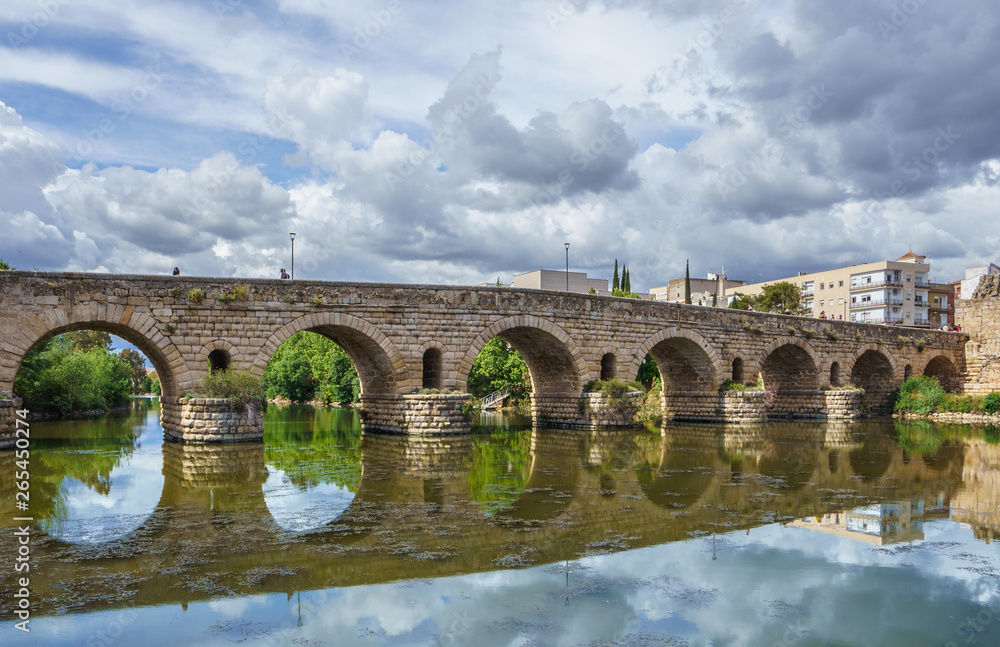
(406, 339)
(414, 514)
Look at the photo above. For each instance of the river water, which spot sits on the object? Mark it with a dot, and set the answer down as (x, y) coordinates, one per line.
(874, 533)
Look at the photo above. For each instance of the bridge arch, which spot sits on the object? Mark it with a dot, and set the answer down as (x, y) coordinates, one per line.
(555, 363)
(874, 369)
(140, 330)
(941, 367)
(381, 368)
(690, 371)
(220, 354)
(789, 362)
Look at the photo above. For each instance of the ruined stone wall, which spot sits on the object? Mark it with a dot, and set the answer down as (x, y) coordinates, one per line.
(979, 318)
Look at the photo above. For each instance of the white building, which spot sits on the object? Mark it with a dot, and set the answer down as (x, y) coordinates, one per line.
(973, 276)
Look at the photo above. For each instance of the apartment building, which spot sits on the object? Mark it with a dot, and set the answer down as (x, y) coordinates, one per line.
(702, 290)
(893, 292)
(942, 305)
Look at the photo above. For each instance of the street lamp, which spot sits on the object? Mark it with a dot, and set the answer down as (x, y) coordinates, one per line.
(292, 235)
(567, 266)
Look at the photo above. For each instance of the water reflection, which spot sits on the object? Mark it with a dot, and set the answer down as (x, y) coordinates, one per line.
(319, 505)
(98, 479)
(313, 465)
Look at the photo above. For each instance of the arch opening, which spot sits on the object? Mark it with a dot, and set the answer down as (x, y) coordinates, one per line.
(792, 375)
(738, 370)
(432, 369)
(218, 360)
(873, 372)
(688, 375)
(835, 374)
(84, 368)
(609, 366)
(311, 365)
(944, 370)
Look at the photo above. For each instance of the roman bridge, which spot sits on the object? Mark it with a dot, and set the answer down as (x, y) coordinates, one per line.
(413, 345)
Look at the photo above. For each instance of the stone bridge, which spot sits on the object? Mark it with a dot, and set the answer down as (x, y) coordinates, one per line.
(414, 515)
(407, 339)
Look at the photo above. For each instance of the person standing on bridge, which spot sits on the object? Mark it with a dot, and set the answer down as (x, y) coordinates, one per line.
(284, 274)
(177, 271)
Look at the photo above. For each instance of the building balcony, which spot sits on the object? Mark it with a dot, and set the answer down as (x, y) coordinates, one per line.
(921, 284)
(808, 293)
(877, 284)
(880, 303)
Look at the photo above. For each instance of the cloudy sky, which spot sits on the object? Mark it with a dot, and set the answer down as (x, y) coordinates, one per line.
(455, 142)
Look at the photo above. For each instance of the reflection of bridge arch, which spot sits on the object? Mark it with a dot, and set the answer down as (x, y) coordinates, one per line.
(555, 363)
(381, 368)
(680, 480)
(556, 460)
(140, 330)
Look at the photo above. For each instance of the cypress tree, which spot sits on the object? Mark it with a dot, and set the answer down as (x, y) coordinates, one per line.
(626, 282)
(687, 282)
(614, 281)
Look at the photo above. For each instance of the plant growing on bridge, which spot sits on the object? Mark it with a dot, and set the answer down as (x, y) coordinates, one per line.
(831, 334)
(243, 389)
(619, 403)
(757, 329)
(196, 295)
(5, 266)
(808, 333)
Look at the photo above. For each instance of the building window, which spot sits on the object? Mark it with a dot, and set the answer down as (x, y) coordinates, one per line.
(822, 285)
(841, 284)
(831, 285)
(907, 296)
(821, 303)
(907, 278)
(840, 301)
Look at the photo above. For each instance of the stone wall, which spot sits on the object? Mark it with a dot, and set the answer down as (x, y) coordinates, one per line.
(439, 413)
(979, 318)
(208, 420)
(8, 421)
(978, 502)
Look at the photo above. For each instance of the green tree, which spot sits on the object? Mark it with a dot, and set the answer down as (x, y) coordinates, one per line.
(81, 341)
(648, 372)
(741, 302)
(499, 367)
(135, 366)
(781, 297)
(327, 374)
(54, 378)
(291, 377)
(4, 265)
(626, 281)
(615, 285)
(687, 282)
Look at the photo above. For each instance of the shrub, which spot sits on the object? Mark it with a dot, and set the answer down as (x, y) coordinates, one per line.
(918, 394)
(991, 403)
(831, 334)
(808, 333)
(243, 389)
(196, 295)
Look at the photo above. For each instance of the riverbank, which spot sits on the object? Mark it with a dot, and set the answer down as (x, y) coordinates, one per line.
(951, 417)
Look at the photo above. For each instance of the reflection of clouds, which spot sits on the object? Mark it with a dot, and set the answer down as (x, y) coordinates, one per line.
(236, 607)
(298, 509)
(136, 487)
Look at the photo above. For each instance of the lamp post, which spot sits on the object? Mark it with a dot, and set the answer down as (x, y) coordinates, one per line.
(567, 266)
(292, 235)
